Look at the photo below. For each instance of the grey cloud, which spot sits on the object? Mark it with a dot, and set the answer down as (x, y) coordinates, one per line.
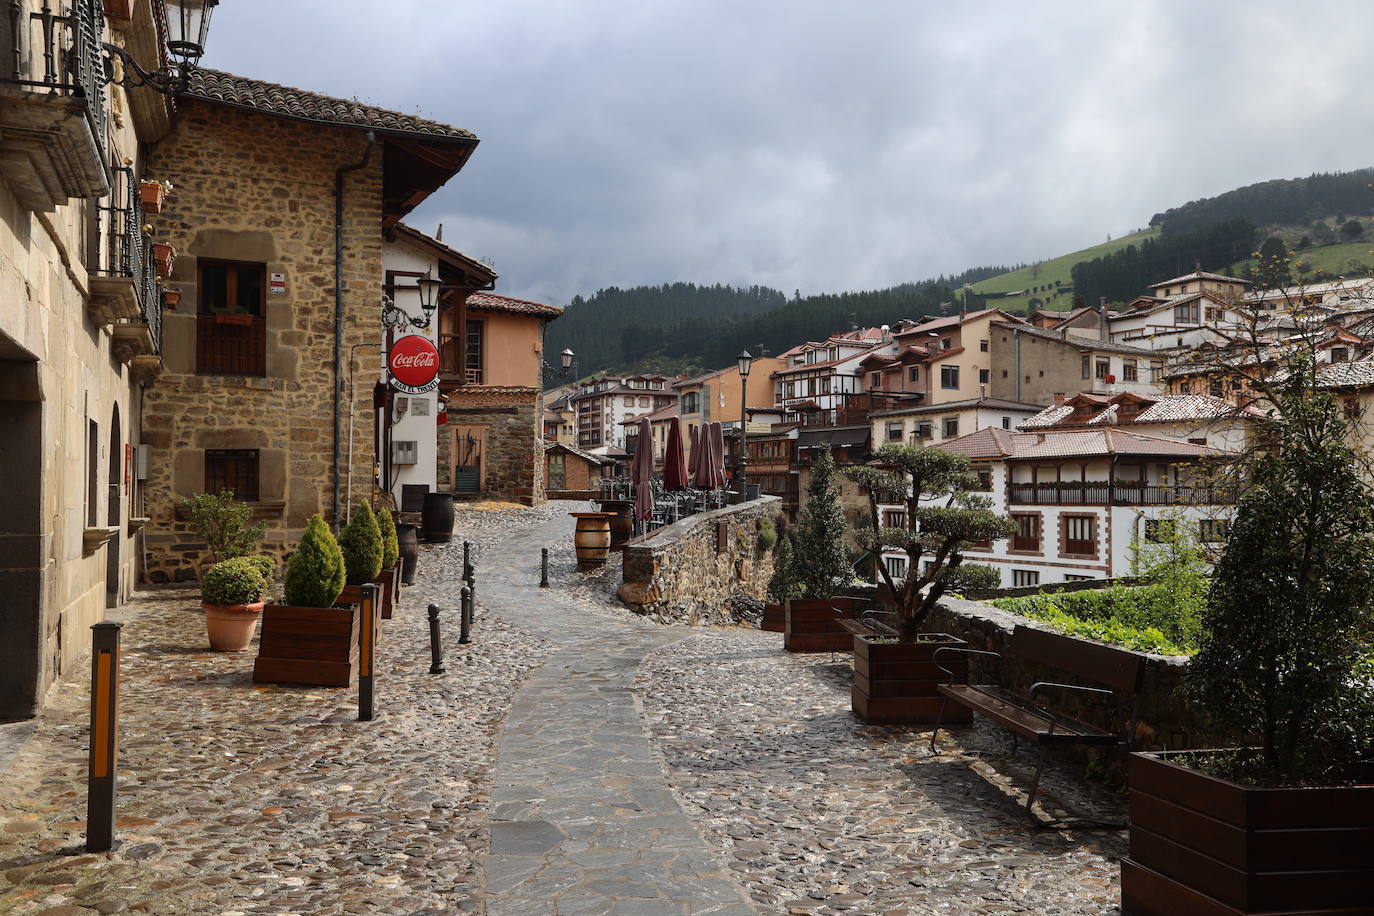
(823, 145)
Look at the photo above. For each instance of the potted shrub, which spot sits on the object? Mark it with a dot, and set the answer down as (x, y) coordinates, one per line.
(361, 543)
(1284, 822)
(152, 193)
(224, 524)
(819, 567)
(895, 678)
(782, 585)
(390, 576)
(306, 639)
(232, 596)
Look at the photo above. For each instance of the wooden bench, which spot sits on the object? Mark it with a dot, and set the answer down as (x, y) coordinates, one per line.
(1025, 715)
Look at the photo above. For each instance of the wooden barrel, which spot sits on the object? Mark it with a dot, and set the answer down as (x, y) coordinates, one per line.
(593, 538)
(410, 552)
(622, 520)
(436, 518)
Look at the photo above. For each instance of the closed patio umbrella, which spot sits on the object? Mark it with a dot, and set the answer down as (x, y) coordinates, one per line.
(711, 471)
(674, 468)
(642, 472)
(694, 456)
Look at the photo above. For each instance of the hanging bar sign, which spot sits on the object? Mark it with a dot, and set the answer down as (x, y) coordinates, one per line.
(414, 364)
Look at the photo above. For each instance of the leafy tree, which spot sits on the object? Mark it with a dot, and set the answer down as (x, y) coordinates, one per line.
(315, 572)
(820, 559)
(361, 544)
(224, 524)
(1274, 264)
(935, 534)
(974, 577)
(1281, 660)
(1352, 230)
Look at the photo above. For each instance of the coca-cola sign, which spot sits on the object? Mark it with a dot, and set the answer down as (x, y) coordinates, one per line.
(414, 364)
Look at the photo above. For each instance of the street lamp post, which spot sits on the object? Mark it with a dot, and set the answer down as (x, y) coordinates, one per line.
(188, 23)
(743, 362)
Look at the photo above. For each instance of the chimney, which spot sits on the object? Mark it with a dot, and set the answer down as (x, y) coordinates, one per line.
(1039, 438)
(1059, 399)
(1102, 332)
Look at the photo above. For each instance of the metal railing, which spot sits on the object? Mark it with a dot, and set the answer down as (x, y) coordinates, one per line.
(122, 250)
(59, 54)
(1101, 493)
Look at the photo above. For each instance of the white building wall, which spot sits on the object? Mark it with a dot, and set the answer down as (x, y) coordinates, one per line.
(414, 417)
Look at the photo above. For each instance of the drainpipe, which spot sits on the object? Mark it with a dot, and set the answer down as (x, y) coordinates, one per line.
(338, 308)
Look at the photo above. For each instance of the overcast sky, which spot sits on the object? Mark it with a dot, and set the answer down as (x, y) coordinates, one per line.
(825, 145)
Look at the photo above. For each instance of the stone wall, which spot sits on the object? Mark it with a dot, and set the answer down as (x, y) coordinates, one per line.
(509, 423)
(688, 571)
(1165, 719)
(253, 188)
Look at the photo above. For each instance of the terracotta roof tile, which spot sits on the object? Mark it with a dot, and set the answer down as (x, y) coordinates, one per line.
(490, 302)
(1077, 443)
(1171, 408)
(240, 91)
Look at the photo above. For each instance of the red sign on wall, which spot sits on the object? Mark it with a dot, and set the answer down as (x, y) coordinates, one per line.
(414, 364)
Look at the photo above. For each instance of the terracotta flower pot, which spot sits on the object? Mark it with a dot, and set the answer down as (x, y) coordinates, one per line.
(151, 193)
(231, 627)
(171, 298)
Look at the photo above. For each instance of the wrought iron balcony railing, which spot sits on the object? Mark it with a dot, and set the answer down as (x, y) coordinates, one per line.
(124, 278)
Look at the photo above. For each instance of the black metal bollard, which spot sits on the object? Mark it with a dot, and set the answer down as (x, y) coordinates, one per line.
(468, 571)
(103, 763)
(465, 617)
(367, 653)
(436, 649)
(543, 567)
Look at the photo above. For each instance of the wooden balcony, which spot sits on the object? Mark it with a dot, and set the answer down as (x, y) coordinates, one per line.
(1102, 493)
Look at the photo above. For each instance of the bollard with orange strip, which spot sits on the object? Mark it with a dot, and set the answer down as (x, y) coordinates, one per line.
(100, 785)
(367, 652)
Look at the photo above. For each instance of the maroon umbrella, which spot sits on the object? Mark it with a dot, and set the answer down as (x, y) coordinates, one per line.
(711, 465)
(674, 468)
(642, 472)
(694, 456)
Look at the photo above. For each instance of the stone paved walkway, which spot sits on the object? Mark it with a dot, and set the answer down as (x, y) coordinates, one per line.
(582, 821)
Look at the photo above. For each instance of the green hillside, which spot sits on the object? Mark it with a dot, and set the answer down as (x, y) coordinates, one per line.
(1345, 259)
(1038, 280)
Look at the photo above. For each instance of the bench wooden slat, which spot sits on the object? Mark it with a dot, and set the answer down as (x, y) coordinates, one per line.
(1009, 710)
(856, 627)
(1107, 665)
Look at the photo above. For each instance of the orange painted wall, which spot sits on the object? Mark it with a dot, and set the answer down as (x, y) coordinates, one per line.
(512, 344)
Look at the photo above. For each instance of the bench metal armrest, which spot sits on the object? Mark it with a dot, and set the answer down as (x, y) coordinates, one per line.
(954, 649)
(1050, 714)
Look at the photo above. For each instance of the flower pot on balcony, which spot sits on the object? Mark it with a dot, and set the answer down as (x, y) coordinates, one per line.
(119, 9)
(171, 298)
(164, 255)
(1202, 844)
(152, 194)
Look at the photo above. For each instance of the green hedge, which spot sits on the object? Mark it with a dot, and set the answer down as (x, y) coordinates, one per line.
(1147, 618)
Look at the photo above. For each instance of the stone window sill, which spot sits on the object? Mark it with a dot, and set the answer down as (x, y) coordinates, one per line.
(92, 539)
(262, 509)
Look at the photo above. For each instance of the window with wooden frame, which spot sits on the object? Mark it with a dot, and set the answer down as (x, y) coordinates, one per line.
(231, 327)
(894, 518)
(1129, 371)
(234, 469)
(1027, 534)
(1079, 535)
(1160, 530)
(1024, 578)
(1213, 530)
(949, 377)
(473, 351)
(913, 373)
(949, 427)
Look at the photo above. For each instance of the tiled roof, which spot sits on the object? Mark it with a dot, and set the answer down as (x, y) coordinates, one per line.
(1073, 340)
(951, 321)
(828, 363)
(446, 252)
(284, 101)
(1199, 275)
(1358, 374)
(1171, 408)
(1078, 443)
(663, 413)
(585, 456)
(967, 403)
(490, 302)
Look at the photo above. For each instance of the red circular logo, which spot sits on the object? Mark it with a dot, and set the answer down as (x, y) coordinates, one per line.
(414, 362)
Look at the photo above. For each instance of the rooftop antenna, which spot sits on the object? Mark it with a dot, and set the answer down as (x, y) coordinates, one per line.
(762, 350)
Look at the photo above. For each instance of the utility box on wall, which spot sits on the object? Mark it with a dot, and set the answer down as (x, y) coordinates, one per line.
(405, 451)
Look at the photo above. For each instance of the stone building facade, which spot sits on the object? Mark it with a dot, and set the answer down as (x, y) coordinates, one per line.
(264, 340)
(79, 334)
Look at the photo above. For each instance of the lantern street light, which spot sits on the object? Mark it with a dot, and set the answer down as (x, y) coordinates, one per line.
(743, 362)
(188, 23)
(393, 316)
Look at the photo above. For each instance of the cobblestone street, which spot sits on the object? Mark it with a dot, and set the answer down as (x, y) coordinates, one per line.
(575, 759)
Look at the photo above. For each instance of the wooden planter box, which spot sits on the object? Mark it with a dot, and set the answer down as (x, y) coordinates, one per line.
(1203, 845)
(353, 594)
(389, 580)
(308, 645)
(811, 625)
(894, 682)
(774, 618)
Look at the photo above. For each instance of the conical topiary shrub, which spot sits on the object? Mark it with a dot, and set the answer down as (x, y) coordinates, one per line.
(315, 572)
(362, 546)
(391, 543)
